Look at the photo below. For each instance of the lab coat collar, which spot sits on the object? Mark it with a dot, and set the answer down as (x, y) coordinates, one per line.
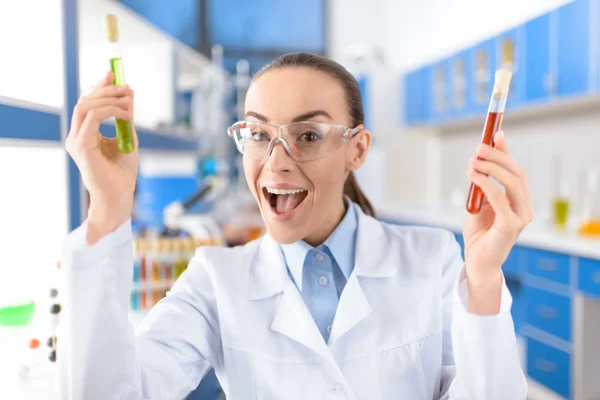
(268, 272)
(373, 255)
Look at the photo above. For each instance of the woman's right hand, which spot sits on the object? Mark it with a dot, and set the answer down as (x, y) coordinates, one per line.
(108, 174)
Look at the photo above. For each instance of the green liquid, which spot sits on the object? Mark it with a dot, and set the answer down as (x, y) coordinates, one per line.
(17, 315)
(124, 132)
(561, 212)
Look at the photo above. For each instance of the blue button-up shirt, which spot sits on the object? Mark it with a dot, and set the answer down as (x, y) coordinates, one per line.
(320, 273)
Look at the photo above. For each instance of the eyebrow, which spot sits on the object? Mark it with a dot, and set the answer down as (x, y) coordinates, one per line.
(302, 117)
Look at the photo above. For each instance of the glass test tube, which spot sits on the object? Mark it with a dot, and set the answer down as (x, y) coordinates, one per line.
(123, 128)
(493, 124)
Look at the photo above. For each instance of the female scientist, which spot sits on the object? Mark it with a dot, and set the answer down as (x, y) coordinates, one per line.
(330, 304)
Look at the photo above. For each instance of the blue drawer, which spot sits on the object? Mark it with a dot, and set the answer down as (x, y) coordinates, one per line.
(548, 311)
(548, 265)
(549, 366)
(515, 263)
(589, 276)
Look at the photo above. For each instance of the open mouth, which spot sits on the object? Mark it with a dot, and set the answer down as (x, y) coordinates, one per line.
(284, 201)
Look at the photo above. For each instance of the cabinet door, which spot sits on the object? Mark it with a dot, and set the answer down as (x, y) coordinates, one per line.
(509, 57)
(483, 60)
(536, 79)
(439, 91)
(413, 99)
(460, 80)
(574, 34)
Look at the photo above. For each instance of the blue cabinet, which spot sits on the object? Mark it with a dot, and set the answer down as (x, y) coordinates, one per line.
(573, 48)
(549, 366)
(482, 60)
(507, 57)
(535, 76)
(553, 55)
(268, 24)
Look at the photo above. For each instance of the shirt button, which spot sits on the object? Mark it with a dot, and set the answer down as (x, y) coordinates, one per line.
(329, 329)
(323, 281)
(319, 257)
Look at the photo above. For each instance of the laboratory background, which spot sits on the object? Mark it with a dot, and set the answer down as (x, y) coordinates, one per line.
(426, 71)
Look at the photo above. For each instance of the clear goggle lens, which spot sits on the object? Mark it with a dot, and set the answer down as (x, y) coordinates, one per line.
(303, 141)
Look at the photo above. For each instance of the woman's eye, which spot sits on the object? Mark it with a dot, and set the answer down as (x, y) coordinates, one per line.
(309, 137)
(259, 137)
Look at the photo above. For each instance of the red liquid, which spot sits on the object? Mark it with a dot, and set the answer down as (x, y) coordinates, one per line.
(493, 123)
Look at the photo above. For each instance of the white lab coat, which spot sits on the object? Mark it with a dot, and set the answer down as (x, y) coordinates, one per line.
(401, 330)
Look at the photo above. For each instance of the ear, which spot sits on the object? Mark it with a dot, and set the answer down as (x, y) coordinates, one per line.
(359, 148)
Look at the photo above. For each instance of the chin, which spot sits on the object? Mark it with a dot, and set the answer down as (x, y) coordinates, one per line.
(283, 234)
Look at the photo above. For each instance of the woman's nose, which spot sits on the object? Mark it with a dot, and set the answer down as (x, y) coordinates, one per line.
(279, 160)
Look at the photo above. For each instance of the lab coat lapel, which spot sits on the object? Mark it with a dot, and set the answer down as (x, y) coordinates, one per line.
(294, 321)
(373, 260)
(268, 278)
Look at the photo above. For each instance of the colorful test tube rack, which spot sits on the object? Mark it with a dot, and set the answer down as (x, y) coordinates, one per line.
(157, 263)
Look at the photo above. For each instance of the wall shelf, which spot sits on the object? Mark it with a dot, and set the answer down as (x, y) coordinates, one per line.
(28, 121)
(558, 107)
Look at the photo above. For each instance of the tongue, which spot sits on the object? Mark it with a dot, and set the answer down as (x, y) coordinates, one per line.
(287, 202)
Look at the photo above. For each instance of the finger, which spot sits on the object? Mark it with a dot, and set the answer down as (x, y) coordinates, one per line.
(86, 104)
(502, 158)
(92, 103)
(111, 91)
(500, 142)
(106, 81)
(515, 190)
(496, 198)
(93, 119)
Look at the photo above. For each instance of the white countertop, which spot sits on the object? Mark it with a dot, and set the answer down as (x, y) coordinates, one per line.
(538, 234)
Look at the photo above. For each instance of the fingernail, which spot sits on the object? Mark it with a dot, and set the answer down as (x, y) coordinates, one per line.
(499, 134)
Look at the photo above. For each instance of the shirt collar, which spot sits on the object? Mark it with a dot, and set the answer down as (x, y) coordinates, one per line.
(341, 244)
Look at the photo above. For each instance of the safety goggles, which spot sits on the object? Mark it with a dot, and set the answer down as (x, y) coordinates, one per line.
(303, 141)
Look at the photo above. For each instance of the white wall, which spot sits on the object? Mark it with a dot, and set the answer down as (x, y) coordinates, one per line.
(31, 51)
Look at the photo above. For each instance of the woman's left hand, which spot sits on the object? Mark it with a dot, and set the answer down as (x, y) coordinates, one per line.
(490, 234)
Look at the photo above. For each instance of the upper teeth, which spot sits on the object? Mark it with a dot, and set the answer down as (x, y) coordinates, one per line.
(284, 191)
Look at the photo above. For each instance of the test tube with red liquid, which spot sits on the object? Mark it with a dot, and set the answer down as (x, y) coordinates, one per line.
(493, 124)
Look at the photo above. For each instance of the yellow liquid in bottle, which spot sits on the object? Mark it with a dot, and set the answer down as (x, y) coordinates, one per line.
(561, 212)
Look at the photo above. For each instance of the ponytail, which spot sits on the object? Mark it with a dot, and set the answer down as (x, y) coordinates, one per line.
(352, 190)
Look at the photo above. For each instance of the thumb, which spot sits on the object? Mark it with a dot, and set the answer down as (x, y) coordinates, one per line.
(500, 142)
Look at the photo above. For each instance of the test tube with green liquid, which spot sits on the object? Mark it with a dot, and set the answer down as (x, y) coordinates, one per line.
(123, 128)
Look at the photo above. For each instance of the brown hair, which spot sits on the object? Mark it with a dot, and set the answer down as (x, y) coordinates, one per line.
(353, 98)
